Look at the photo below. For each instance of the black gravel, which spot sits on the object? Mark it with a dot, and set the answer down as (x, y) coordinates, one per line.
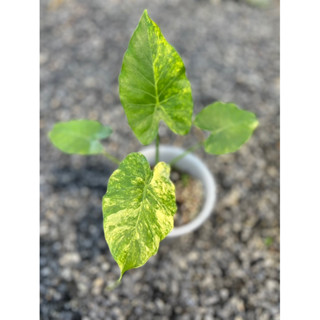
(229, 268)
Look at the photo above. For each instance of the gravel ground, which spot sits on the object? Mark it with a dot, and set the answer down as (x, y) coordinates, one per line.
(229, 268)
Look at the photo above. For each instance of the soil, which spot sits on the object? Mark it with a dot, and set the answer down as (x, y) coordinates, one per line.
(189, 197)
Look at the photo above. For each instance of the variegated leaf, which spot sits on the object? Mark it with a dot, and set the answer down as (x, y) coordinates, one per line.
(138, 210)
(153, 85)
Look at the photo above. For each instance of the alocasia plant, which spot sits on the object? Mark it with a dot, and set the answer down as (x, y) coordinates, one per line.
(139, 205)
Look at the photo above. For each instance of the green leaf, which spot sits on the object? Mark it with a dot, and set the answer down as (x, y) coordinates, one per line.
(79, 136)
(230, 127)
(153, 85)
(138, 210)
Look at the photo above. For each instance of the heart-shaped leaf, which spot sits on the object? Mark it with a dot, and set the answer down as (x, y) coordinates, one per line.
(153, 85)
(79, 136)
(230, 127)
(138, 210)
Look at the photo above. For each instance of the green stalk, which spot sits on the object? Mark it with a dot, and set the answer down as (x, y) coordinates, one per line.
(111, 158)
(182, 155)
(157, 148)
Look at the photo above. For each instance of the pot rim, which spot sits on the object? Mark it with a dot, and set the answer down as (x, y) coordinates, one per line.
(203, 173)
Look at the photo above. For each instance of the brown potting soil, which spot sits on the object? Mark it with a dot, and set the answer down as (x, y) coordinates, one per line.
(189, 197)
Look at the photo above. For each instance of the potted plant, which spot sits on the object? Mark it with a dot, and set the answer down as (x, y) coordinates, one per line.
(140, 204)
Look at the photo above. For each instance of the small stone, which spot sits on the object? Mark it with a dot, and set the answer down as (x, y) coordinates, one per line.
(66, 274)
(182, 264)
(208, 316)
(210, 301)
(178, 310)
(83, 288)
(90, 82)
(264, 316)
(43, 58)
(237, 304)
(208, 281)
(97, 286)
(105, 266)
(224, 294)
(45, 272)
(44, 228)
(160, 304)
(174, 287)
(231, 199)
(193, 256)
(70, 258)
(272, 285)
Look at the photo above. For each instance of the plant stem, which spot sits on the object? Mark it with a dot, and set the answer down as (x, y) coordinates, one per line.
(157, 148)
(111, 158)
(182, 155)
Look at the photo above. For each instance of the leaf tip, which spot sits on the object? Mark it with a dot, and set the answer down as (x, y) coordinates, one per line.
(145, 15)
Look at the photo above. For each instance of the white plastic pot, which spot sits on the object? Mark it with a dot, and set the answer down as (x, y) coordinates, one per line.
(196, 168)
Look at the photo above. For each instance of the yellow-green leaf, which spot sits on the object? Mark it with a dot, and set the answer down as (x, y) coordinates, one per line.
(138, 210)
(153, 85)
(79, 136)
(230, 127)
